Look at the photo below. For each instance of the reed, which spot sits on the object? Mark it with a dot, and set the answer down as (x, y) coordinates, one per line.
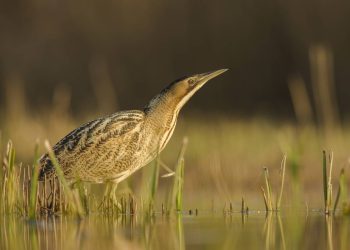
(337, 197)
(342, 194)
(267, 192)
(282, 173)
(176, 201)
(153, 185)
(324, 172)
(327, 181)
(10, 185)
(244, 207)
(34, 184)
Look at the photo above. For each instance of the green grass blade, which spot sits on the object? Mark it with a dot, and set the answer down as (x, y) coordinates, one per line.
(325, 182)
(73, 198)
(344, 193)
(34, 183)
(153, 185)
(283, 170)
(10, 194)
(11, 157)
(340, 189)
(268, 189)
(177, 190)
(180, 180)
(344, 187)
(329, 184)
(265, 198)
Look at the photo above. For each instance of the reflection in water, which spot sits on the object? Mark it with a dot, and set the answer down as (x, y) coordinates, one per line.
(255, 231)
(274, 232)
(329, 228)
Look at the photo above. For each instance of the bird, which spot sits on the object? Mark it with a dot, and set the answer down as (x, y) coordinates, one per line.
(111, 148)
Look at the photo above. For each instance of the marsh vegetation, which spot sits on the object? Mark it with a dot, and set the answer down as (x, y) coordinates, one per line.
(212, 193)
(233, 182)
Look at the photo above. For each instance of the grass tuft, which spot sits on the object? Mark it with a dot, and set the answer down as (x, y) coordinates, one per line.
(10, 185)
(267, 191)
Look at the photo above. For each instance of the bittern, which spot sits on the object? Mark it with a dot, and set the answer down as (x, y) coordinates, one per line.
(111, 148)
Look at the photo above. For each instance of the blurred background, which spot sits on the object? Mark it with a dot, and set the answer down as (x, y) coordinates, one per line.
(64, 62)
(140, 46)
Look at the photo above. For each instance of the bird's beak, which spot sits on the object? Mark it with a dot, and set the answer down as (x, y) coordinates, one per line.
(203, 78)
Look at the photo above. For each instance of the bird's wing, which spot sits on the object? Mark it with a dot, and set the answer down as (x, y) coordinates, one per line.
(90, 140)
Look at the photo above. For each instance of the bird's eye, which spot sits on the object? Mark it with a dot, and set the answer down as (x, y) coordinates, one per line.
(191, 81)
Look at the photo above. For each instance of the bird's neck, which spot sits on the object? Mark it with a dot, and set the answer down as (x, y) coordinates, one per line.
(161, 118)
(162, 110)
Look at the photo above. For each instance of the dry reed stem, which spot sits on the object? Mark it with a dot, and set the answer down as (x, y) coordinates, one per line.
(283, 171)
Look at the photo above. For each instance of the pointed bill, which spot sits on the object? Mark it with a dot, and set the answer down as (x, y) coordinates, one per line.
(210, 75)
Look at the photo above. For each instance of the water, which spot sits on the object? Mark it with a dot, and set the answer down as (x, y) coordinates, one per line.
(204, 231)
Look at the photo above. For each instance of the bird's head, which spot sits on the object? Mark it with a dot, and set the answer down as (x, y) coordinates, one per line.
(180, 91)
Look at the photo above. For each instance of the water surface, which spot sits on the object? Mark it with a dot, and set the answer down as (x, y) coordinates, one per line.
(202, 231)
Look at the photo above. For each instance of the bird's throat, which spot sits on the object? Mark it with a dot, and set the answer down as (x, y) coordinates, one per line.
(161, 119)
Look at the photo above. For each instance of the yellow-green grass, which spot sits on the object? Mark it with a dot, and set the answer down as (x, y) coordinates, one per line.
(21, 193)
(224, 157)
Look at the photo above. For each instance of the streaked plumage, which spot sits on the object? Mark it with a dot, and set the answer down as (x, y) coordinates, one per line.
(111, 148)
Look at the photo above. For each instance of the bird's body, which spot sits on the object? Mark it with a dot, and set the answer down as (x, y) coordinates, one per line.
(111, 148)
